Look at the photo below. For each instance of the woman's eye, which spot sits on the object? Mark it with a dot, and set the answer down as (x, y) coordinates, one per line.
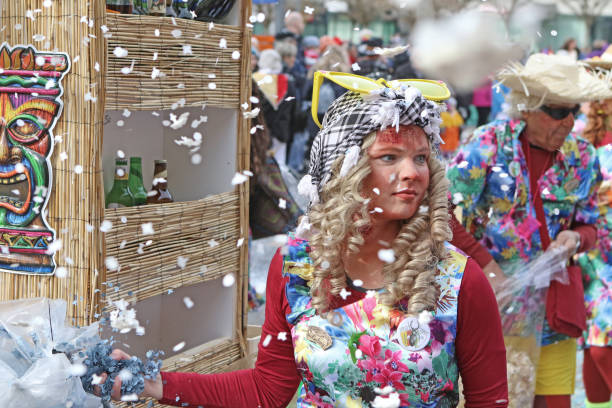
(24, 128)
(387, 158)
(421, 159)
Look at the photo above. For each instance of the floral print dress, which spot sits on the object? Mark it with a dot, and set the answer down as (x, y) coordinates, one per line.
(348, 359)
(597, 263)
(489, 180)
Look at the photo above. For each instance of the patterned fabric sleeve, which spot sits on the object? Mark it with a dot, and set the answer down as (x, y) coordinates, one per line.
(468, 172)
(587, 210)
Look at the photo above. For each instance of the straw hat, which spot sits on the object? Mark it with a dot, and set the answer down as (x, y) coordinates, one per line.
(553, 79)
(605, 61)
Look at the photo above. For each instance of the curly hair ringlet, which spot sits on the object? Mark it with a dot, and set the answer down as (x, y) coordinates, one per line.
(595, 130)
(343, 214)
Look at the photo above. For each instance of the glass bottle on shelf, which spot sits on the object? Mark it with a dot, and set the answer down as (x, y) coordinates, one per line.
(119, 6)
(120, 195)
(159, 193)
(158, 8)
(141, 7)
(135, 181)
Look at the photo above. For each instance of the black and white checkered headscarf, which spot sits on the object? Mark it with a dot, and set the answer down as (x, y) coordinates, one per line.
(354, 116)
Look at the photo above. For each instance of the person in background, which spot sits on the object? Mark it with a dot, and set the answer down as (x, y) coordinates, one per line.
(526, 184)
(288, 52)
(597, 268)
(599, 47)
(481, 99)
(294, 23)
(311, 50)
(402, 67)
(278, 103)
(450, 129)
(570, 49)
(335, 58)
(370, 61)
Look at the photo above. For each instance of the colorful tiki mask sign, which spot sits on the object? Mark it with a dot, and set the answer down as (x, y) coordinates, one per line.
(30, 104)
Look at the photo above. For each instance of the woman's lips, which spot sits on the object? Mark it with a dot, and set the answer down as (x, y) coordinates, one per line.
(407, 194)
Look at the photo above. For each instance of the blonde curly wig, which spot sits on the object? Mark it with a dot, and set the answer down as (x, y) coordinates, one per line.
(599, 113)
(418, 247)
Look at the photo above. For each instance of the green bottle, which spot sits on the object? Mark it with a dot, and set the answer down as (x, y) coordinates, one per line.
(120, 195)
(135, 181)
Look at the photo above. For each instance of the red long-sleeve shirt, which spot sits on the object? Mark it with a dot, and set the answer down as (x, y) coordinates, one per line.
(480, 354)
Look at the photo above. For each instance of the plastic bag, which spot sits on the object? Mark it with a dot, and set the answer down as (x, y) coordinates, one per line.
(35, 368)
(522, 306)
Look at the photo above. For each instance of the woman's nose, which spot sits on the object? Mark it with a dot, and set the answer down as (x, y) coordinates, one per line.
(408, 170)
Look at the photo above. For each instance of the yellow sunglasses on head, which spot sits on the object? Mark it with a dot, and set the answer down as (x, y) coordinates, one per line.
(433, 90)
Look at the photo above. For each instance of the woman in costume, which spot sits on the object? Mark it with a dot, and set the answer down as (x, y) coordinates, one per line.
(597, 268)
(368, 305)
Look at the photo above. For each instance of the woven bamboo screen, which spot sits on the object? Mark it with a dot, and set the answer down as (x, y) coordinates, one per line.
(172, 59)
(186, 236)
(76, 199)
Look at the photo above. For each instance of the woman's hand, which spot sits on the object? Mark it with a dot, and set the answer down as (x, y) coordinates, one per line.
(495, 275)
(152, 388)
(568, 239)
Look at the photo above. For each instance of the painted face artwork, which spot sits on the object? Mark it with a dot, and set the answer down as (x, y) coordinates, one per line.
(30, 104)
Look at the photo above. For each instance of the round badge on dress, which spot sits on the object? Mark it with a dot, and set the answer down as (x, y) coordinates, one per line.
(411, 334)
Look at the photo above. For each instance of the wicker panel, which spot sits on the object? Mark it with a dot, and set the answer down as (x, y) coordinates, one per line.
(149, 263)
(182, 75)
(76, 200)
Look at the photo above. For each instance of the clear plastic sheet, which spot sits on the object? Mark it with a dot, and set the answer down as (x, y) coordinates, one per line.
(35, 371)
(522, 305)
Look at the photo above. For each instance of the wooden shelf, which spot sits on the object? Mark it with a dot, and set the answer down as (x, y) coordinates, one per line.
(149, 263)
(188, 63)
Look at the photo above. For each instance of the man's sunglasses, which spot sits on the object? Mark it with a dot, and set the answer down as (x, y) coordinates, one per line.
(559, 113)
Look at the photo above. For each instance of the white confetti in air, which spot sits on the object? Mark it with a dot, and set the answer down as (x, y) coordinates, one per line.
(61, 272)
(222, 43)
(358, 283)
(196, 159)
(229, 280)
(181, 261)
(356, 67)
(54, 246)
(47, 3)
(96, 379)
(125, 375)
(344, 293)
(239, 242)
(457, 198)
(155, 73)
(147, 228)
(176, 33)
(282, 336)
(239, 179)
(390, 401)
(463, 164)
(63, 156)
(425, 317)
(386, 255)
(111, 263)
(123, 319)
(236, 55)
(282, 203)
(155, 56)
(252, 114)
(104, 29)
(120, 52)
(106, 226)
(253, 19)
(126, 113)
(38, 37)
(90, 97)
(187, 50)
(180, 121)
(212, 85)
(492, 275)
(376, 191)
(120, 123)
(308, 10)
(378, 210)
(128, 70)
(18, 27)
(188, 302)
(267, 340)
(553, 33)
(261, 17)
(212, 243)
(178, 347)
(120, 154)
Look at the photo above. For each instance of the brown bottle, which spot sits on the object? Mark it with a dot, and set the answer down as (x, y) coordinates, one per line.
(159, 193)
(120, 6)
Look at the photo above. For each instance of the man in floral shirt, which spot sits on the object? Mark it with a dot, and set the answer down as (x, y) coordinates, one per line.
(526, 182)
